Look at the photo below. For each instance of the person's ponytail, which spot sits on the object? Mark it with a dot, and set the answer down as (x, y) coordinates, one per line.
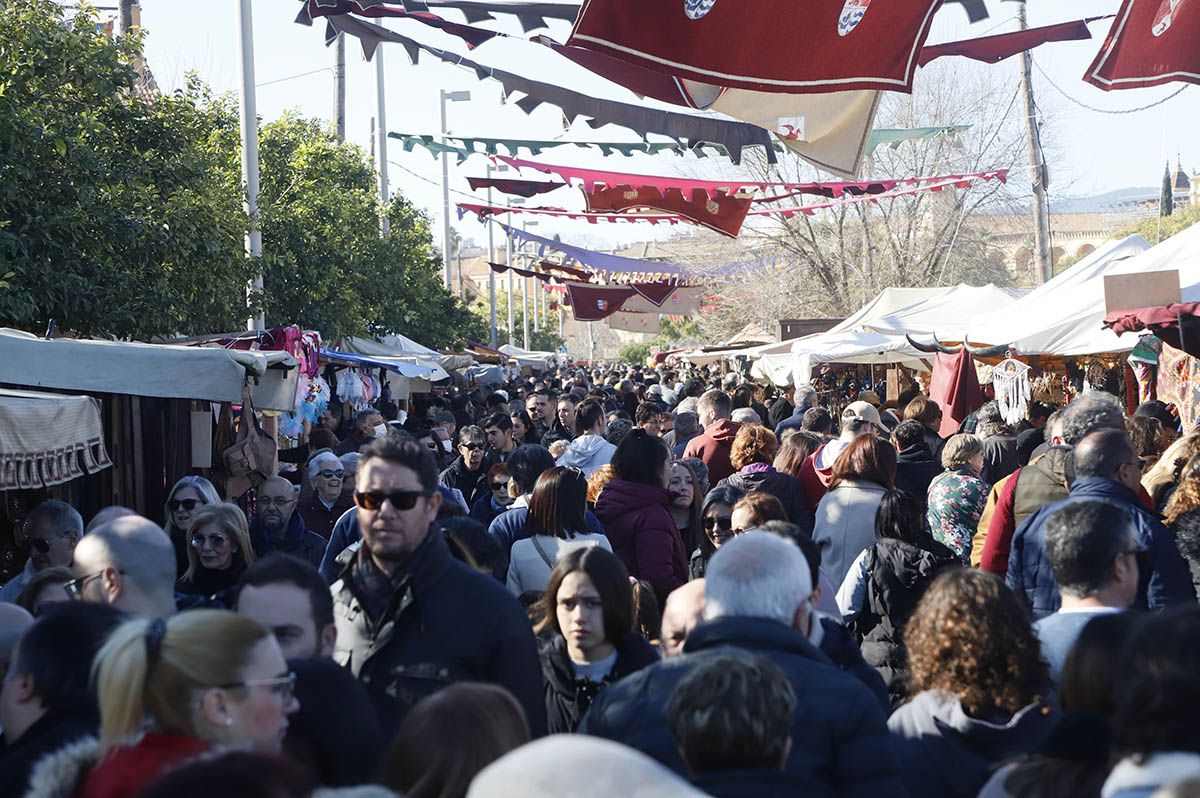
(120, 672)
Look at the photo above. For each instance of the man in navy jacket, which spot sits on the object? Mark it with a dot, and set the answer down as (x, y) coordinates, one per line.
(1106, 469)
(757, 590)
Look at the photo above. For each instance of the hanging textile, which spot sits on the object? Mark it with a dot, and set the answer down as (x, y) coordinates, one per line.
(516, 188)
(1151, 42)
(649, 323)
(954, 385)
(719, 212)
(48, 439)
(1179, 384)
(894, 137)
(1010, 379)
(993, 49)
(830, 46)
(500, 268)
(531, 15)
(735, 136)
(473, 37)
(595, 302)
(471, 145)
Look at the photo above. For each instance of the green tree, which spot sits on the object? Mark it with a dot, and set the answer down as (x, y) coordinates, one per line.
(1159, 228)
(543, 338)
(1166, 199)
(118, 215)
(634, 354)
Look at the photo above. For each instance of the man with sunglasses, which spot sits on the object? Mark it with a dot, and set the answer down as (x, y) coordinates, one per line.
(51, 531)
(468, 472)
(328, 501)
(278, 527)
(410, 618)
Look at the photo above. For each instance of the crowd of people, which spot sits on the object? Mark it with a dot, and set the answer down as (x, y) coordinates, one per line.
(609, 581)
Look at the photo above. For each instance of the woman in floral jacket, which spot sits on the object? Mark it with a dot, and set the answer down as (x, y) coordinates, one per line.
(957, 496)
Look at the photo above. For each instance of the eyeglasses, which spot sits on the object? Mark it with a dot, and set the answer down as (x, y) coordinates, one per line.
(328, 473)
(74, 587)
(41, 545)
(278, 501)
(187, 504)
(472, 447)
(282, 686)
(401, 499)
(499, 486)
(725, 524)
(216, 541)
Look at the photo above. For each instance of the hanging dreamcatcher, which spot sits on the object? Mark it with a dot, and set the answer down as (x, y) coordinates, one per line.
(1010, 379)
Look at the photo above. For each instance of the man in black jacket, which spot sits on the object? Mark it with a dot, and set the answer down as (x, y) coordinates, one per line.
(915, 464)
(47, 700)
(468, 472)
(757, 591)
(410, 618)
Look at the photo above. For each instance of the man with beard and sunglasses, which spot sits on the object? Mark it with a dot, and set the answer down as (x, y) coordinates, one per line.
(51, 531)
(410, 618)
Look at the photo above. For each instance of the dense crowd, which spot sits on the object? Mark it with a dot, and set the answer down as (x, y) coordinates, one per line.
(619, 582)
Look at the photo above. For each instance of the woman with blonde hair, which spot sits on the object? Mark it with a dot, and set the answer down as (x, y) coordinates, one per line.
(219, 551)
(1162, 478)
(172, 690)
(188, 494)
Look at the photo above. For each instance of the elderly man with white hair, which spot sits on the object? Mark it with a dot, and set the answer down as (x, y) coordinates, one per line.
(757, 589)
(328, 501)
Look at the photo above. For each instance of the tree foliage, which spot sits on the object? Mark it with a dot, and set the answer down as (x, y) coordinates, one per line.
(542, 338)
(121, 209)
(117, 215)
(1166, 199)
(634, 354)
(1156, 229)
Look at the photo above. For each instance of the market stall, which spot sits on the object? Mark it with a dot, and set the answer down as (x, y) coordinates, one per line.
(47, 439)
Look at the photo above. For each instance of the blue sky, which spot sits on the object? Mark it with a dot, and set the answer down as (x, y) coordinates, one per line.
(1099, 152)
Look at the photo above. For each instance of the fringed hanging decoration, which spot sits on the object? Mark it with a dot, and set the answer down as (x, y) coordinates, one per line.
(1010, 380)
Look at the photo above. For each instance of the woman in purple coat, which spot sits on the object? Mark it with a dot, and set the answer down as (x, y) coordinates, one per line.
(635, 511)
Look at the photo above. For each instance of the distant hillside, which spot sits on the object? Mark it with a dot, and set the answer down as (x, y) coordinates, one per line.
(1118, 200)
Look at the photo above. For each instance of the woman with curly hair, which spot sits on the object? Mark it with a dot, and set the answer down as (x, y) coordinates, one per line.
(1187, 492)
(752, 454)
(979, 686)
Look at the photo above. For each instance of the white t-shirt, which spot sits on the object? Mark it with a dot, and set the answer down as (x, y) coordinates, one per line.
(527, 570)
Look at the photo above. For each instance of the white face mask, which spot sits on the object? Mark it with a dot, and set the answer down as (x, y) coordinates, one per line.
(380, 431)
(447, 446)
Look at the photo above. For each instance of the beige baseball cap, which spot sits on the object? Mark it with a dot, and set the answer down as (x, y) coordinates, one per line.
(862, 411)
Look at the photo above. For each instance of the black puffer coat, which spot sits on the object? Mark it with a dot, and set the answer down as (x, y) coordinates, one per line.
(762, 477)
(898, 573)
(568, 698)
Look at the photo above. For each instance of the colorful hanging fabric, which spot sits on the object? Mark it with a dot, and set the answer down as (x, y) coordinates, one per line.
(595, 302)
(831, 46)
(894, 137)
(471, 145)
(719, 212)
(516, 188)
(648, 323)
(993, 49)
(735, 136)
(473, 37)
(1151, 42)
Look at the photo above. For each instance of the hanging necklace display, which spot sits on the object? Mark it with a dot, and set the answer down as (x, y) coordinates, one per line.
(1010, 379)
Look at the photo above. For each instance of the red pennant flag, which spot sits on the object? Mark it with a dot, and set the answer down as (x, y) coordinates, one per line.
(719, 212)
(776, 46)
(1151, 42)
(593, 302)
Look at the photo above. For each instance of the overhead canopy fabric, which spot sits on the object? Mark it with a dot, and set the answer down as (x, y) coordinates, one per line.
(48, 439)
(523, 357)
(171, 372)
(960, 304)
(1065, 315)
(405, 349)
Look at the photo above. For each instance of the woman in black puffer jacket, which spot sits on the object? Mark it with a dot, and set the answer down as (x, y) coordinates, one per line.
(588, 611)
(884, 584)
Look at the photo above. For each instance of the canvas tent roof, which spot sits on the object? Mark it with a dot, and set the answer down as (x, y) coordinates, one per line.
(525, 357)
(401, 347)
(958, 305)
(214, 374)
(1065, 315)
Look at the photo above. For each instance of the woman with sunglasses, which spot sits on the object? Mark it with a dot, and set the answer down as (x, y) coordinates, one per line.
(219, 552)
(328, 501)
(171, 691)
(558, 523)
(488, 506)
(187, 494)
(716, 523)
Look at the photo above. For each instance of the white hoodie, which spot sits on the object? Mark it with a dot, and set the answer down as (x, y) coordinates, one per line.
(587, 453)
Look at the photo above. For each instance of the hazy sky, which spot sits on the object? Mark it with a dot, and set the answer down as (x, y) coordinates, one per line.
(1100, 152)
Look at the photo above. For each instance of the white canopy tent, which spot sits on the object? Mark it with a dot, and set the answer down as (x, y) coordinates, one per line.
(401, 348)
(213, 374)
(1064, 316)
(959, 305)
(542, 361)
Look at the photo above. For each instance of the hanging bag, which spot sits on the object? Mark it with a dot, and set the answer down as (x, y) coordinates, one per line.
(254, 456)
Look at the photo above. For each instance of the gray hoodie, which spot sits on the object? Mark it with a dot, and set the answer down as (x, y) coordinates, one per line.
(587, 453)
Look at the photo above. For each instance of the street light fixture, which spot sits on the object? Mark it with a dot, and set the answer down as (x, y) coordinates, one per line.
(454, 97)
